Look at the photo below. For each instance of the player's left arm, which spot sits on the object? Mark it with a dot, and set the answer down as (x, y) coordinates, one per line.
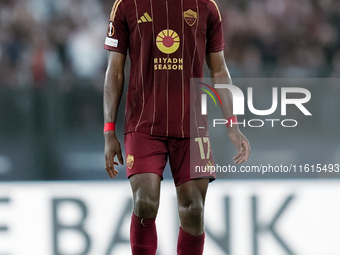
(218, 69)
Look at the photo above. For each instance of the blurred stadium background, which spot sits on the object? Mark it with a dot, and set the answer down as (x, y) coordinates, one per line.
(52, 66)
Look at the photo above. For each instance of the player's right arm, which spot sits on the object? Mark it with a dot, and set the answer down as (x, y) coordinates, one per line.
(113, 90)
(219, 70)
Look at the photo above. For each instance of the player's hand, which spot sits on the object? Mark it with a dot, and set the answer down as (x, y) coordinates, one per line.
(242, 145)
(112, 148)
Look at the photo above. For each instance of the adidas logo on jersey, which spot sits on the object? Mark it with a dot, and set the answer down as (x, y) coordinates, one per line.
(145, 18)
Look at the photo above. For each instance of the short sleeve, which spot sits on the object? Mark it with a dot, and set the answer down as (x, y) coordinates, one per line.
(215, 39)
(117, 38)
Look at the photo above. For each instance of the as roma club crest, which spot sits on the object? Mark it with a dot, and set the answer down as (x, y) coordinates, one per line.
(190, 17)
(110, 29)
(129, 161)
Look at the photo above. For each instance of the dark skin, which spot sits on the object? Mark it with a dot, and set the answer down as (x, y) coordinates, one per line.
(219, 70)
(146, 186)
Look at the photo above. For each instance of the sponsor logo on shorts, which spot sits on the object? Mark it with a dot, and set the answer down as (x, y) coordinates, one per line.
(111, 42)
(129, 161)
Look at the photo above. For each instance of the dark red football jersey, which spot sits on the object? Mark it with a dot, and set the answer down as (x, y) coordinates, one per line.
(167, 41)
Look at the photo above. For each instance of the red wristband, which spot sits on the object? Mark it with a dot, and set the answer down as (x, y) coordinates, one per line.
(231, 120)
(110, 126)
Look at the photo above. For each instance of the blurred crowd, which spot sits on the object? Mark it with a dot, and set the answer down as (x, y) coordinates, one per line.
(43, 39)
(282, 38)
(63, 39)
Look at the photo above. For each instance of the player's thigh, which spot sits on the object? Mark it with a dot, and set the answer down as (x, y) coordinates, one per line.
(192, 193)
(146, 191)
(145, 185)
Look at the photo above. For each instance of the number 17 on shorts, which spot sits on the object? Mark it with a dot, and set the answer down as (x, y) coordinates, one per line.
(201, 158)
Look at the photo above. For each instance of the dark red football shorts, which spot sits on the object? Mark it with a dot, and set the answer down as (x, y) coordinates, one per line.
(189, 158)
